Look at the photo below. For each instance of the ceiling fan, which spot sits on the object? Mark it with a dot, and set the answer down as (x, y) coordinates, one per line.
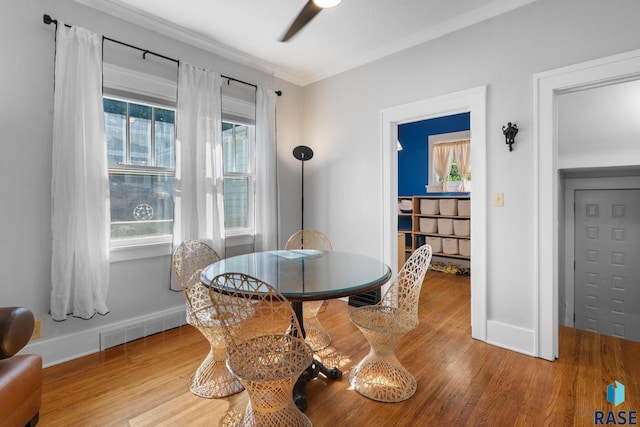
(308, 12)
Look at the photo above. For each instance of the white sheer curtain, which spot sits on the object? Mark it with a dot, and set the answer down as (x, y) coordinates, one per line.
(199, 208)
(266, 187)
(442, 160)
(80, 183)
(463, 160)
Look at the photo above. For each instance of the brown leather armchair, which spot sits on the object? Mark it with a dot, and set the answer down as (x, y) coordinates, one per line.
(20, 375)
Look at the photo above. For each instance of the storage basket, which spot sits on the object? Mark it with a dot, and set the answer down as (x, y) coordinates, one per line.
(428, 225)
(445, 226)
(450, 246)
(405, 205)
(464, 247)
(464, 207)
(429, 206)
(435, 243)
(449, 207)
(461, 227)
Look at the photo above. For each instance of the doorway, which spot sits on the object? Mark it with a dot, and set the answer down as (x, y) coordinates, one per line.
(474, 102)
(416, 177)
(550, 160)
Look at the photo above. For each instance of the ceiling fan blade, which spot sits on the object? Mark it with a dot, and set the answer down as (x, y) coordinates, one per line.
(308, 12)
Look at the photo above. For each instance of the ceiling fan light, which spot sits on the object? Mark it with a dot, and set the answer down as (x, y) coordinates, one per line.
(325, 4)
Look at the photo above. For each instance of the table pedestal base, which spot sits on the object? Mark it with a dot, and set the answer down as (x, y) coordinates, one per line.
(316, 368)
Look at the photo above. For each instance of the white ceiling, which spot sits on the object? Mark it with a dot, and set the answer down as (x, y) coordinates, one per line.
(346, 36)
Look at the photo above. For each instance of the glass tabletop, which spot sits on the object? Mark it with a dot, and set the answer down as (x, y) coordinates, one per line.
(305, 275)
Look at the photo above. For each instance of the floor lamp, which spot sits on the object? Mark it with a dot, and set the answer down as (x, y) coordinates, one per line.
(302, 153)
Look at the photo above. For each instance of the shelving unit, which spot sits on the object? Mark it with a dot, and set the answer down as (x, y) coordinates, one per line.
(442, 221)
(405, 226)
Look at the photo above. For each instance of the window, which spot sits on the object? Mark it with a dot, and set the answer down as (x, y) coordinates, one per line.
(237, 147)
(141, 132)
(454, 180)
(454, 174)
(141, 156)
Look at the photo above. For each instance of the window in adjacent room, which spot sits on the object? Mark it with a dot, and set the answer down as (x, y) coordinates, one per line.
(454, 173)
(454, 179)
(141, 155)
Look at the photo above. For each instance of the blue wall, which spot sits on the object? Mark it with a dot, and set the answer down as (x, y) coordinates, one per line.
(413, 162)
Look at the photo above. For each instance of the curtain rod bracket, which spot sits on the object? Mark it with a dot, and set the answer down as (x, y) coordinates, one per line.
(48, 20)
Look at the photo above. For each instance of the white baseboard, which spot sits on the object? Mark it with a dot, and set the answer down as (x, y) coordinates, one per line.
(72, 346)
(511, 337)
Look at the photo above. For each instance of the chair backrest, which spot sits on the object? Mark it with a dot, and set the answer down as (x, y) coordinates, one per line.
(404, 292)
(189, 259)
(16, 326)
(253, 309)
(309, 239)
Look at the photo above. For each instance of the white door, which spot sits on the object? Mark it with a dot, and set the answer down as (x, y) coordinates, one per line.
(607, 262)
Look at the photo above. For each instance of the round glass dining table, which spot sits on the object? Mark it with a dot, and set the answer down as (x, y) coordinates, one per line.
(307, 274)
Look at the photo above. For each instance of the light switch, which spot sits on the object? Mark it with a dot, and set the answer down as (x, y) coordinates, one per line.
(498, 200)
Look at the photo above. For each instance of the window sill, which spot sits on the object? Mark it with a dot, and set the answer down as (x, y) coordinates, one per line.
(129, 251)
(239, 240)
(452, 187)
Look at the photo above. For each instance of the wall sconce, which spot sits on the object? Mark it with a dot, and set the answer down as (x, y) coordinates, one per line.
(510, 132)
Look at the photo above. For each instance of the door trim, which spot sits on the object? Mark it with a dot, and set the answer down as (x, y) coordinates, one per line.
(546, 237)
(474, 101)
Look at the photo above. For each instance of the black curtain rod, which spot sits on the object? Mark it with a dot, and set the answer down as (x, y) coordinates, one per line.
(47, 19)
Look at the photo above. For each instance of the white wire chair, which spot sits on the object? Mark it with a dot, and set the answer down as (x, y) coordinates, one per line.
(317, 337)
(265, 348)
(212, 379)
(380, 375)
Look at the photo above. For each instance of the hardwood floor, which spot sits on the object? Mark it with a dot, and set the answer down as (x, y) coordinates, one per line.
(461, 381)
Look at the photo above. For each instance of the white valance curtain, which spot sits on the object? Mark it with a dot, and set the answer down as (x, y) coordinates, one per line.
(198, 186)
(80, 182)
(442, 160)
(266, 188)
(462, 151)
(443, 154)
